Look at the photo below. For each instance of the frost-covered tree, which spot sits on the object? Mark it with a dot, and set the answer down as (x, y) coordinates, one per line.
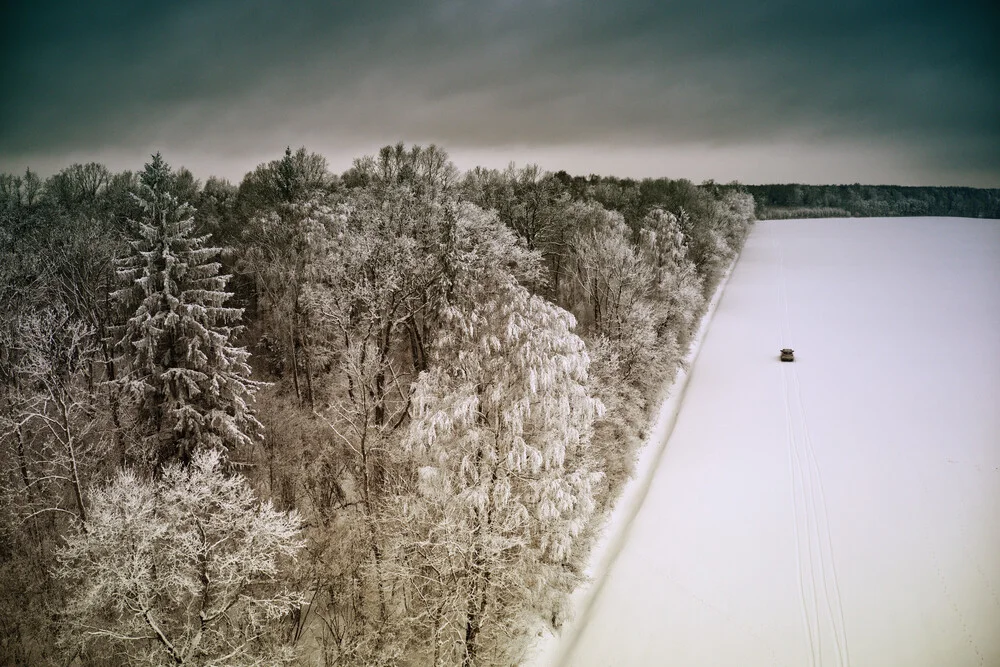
(78, 186)
(192, 386)
(531, 203)
(735, 211)
(503, 487)
(51, 430)
(675, 284)
(184, 570)
(279, 254)
(284, 201)
(609, 276)
(425, 170)
(292, 178)
(715, 230)
(389, 269)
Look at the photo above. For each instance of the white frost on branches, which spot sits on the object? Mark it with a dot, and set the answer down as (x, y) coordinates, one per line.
(500, 432)
(192, 386)
(52, 424)
(186, 569)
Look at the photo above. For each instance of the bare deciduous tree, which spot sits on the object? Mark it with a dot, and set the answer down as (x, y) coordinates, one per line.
(54, 418)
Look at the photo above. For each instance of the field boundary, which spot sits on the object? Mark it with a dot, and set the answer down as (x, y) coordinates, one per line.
(552, 650)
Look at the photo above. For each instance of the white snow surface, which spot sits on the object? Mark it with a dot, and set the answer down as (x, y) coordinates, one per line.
(840, 510)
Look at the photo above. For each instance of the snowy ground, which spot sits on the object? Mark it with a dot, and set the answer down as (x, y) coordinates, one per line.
(843, 509)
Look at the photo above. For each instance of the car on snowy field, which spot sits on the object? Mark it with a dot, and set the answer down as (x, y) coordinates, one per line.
(787, 354)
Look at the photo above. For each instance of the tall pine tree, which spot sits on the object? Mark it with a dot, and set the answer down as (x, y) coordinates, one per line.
(191, 385)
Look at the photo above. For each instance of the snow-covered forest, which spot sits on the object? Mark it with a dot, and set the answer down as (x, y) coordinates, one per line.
(371, 418)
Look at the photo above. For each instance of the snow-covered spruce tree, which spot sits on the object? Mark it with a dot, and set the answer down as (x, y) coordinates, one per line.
(183, 570)
(191, 385)
(500, 431)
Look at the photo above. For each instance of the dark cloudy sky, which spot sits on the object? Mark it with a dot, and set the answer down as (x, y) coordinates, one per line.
(760, 91)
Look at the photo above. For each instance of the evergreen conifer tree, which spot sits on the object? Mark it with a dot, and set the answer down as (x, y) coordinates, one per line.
(191, 385)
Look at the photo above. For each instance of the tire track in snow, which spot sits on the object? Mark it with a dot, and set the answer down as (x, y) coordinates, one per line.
(816, 516)
(807, 597)
(815, 562)
(804, 604)
(833, 597)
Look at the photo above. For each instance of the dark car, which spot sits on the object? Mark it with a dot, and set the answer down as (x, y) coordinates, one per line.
(787, 354)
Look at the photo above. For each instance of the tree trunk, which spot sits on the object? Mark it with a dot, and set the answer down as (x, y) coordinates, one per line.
(22, 462)
(378, 392)
(373, 533)
(417, 353)
(596, 295)
(294, 359)
(71, 452)
(477, 603)
(436, 637)
(111, 375)
(479, 596)
(309, 383)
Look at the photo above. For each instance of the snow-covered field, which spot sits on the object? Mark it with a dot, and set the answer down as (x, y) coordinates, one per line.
(840, 510)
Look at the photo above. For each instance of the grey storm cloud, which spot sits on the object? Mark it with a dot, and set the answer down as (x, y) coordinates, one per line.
(922, 78)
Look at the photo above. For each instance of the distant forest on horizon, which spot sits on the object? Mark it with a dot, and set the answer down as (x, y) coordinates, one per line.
(793, 200)
(625, 195)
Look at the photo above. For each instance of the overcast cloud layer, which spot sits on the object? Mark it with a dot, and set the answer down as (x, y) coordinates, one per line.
(887, 92)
